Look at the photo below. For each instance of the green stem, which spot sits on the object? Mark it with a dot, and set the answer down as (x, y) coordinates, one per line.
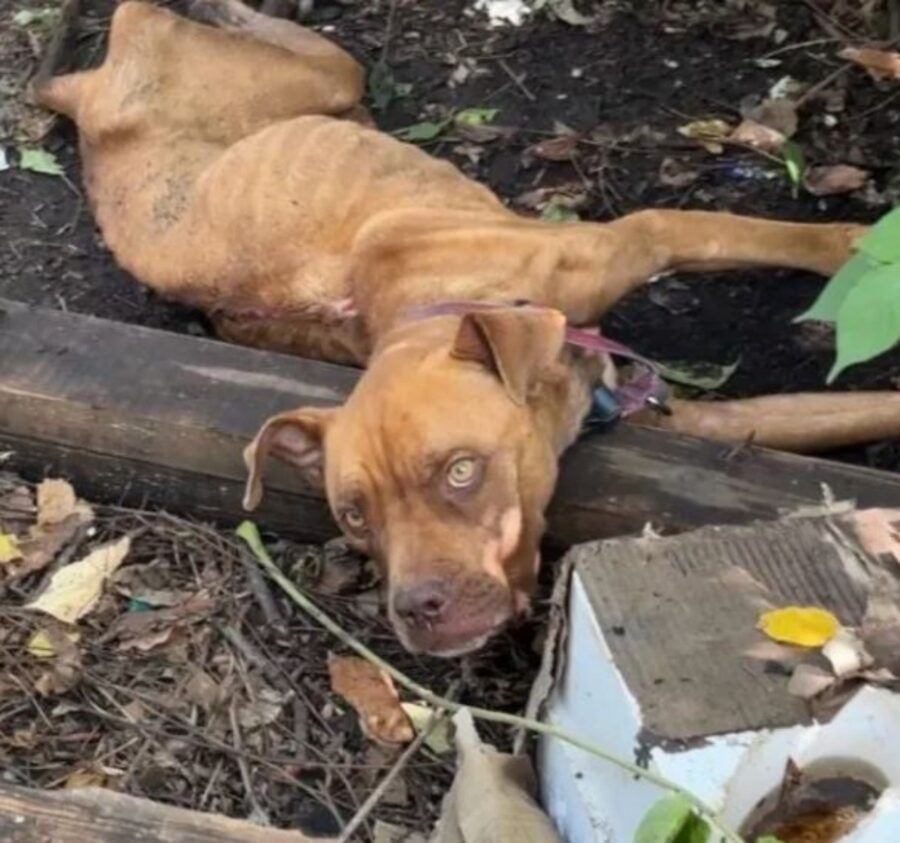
(250, 534)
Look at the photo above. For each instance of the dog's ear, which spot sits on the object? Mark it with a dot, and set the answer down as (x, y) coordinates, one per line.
(515, 343)
(296, 437)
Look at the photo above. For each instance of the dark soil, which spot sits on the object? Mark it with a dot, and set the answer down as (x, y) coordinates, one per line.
(626, 82)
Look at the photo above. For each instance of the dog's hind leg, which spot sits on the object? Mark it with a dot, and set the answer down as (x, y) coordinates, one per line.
(803, 422)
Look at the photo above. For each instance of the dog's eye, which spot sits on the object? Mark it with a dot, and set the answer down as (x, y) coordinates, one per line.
(353, 517)
(462, 472)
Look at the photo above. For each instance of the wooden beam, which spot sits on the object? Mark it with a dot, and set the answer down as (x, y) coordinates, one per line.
(138, 416)
(103, 816)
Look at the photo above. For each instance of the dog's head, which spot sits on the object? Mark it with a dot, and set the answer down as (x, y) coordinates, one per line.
(440, 465)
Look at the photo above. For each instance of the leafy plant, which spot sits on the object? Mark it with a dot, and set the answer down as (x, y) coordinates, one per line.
(794, 163)
(863, 298)
(431, 129)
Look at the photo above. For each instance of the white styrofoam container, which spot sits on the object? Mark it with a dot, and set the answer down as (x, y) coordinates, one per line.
(592, 801)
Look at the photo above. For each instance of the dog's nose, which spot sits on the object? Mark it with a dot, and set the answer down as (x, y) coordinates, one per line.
(421, 604)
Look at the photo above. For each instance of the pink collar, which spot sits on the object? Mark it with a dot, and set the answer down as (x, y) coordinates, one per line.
(644, 388)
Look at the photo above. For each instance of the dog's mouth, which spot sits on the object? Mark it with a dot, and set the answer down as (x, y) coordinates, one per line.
(451, 639)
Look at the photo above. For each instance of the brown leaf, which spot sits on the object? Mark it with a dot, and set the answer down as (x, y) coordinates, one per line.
(194, 608)
(838, 178)
(201, 689)
(56, 501)
(570, 195)
(264, 709)
(562, 148)
(879, 64)
(881, 628)
(150, 641)
(777, 114)
(757, 136)
(65, 670)
(45, 543)
(482, 132)
(86, 777)
(372, 693)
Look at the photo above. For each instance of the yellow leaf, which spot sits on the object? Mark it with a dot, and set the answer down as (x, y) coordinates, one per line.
(41, 645)
(74, 589)
(9, 548)
(803, 626)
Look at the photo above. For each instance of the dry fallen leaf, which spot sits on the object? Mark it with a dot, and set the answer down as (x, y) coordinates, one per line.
(440, 738)
(9, 548)
(757, 136)
(56, 501)
(879, 64)
(65, 669)
(75, 589)
(710, 133)
(802, 626)
(561, 148)
(88, 777)
(846, 653)
(808, 681)
(492, 797)
(372, 693)
(264, 710)
(838, 178)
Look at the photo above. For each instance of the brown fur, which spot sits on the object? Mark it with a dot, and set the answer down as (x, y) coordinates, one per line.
(234, 169)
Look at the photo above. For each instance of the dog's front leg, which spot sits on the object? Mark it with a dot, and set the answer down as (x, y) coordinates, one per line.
(646, 244)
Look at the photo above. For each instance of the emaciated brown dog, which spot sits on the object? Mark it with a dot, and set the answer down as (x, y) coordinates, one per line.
(232, 168)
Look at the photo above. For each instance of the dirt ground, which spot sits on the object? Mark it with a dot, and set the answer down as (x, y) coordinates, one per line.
(626, 82)
(194, 683)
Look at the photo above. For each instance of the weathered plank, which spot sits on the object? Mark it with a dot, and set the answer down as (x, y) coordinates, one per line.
(141, 416)
(102, 816)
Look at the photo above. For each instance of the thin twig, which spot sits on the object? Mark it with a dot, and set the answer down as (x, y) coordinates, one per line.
(378, 794)
(261, 593)
(250, 534)
(517, 80)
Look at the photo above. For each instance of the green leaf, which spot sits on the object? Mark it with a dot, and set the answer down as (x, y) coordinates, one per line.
(476, 116)
(665, 821)
(700, 375)
(426, 131)
(39, 161)
(559, 213)
(882, 241)
(697, 830)
(829, 302)
(868, 323)
(794, 162)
